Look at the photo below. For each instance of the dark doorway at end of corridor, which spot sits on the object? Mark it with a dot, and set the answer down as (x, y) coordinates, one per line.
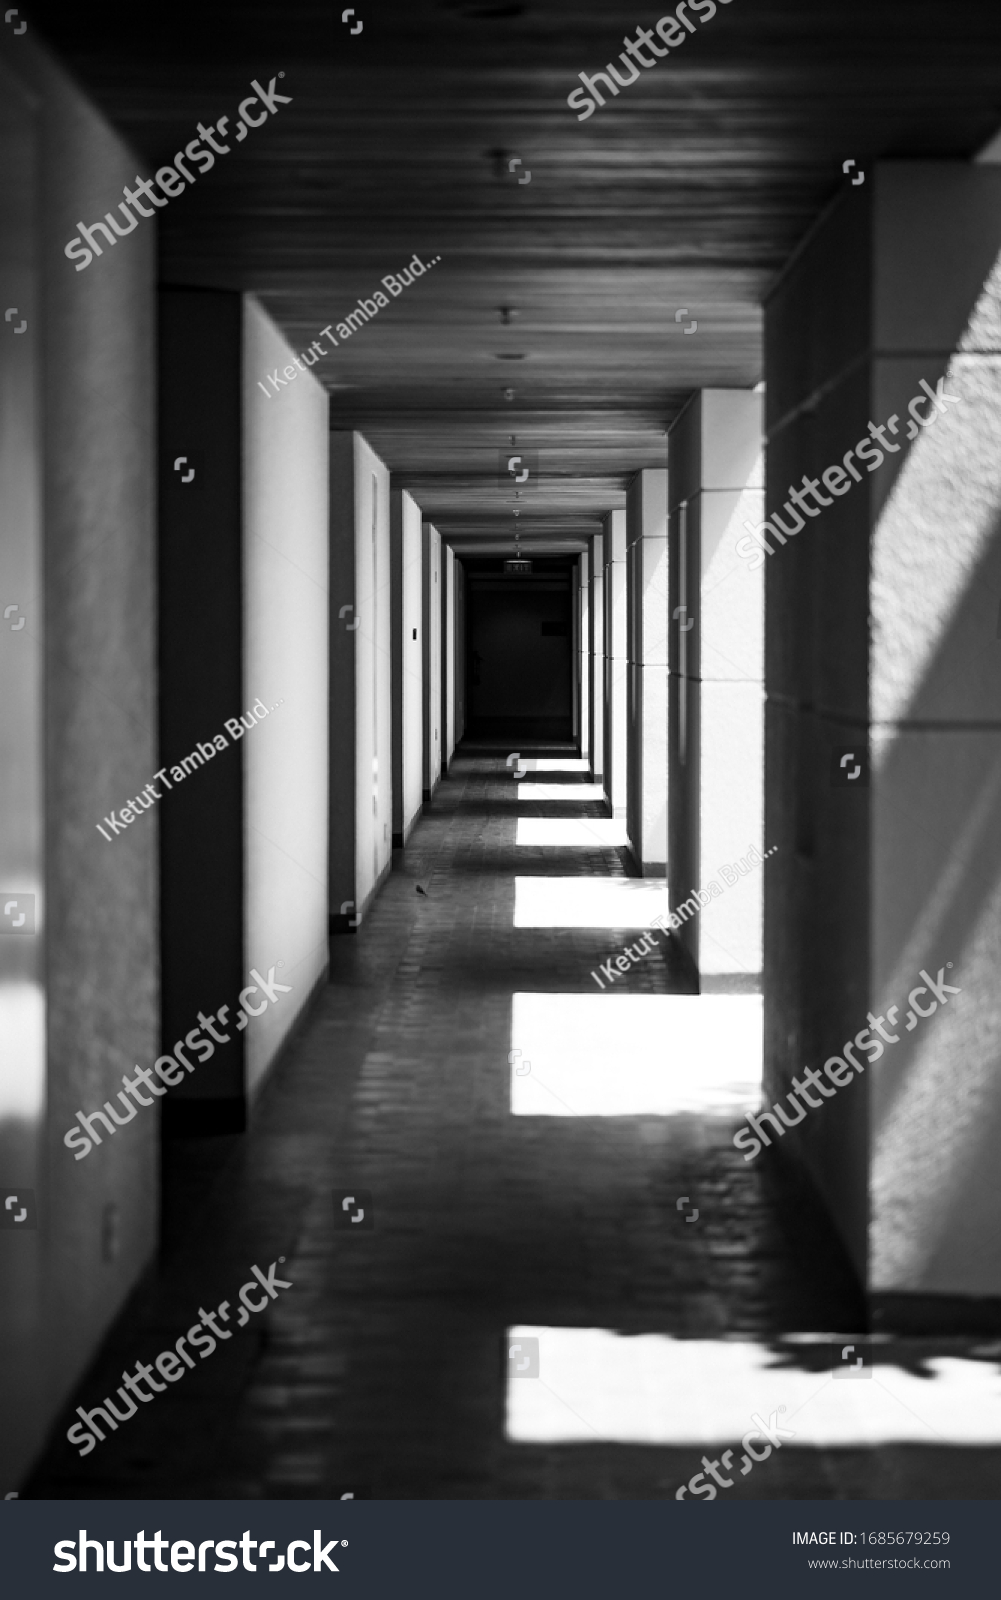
(520, 650)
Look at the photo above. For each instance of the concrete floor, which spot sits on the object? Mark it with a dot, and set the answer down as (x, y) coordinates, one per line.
(382, 1371)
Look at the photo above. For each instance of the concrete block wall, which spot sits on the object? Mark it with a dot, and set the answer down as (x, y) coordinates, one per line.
(882, 642)
(78, 999)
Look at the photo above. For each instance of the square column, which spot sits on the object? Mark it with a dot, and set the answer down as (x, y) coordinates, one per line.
(716, 737)
(360, 679)
(596, 611)
(448, 653)
(616, 663)
(431, 657)
(646, 573)
(408, 667)
(584, 652)
(286, 643)
(202, 685)
(882, 560)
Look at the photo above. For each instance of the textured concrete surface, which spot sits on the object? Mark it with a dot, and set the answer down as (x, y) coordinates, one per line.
(883, 637)
(94, 442)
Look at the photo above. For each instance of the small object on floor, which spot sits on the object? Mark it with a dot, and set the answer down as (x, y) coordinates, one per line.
(421, 890)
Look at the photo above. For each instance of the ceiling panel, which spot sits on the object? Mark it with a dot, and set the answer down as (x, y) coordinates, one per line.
(556, 309)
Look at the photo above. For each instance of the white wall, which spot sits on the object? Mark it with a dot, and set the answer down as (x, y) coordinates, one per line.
(732, 668)
(432, 658)
(286, 598)
(373, 673)
(408, 664)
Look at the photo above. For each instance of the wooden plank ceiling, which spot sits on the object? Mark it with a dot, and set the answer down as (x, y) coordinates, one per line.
(686, 193)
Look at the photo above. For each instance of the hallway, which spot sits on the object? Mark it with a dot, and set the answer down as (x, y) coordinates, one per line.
(500, 600)
(382, 1371)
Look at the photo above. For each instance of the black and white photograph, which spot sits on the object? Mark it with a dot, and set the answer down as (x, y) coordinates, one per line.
(500, 796)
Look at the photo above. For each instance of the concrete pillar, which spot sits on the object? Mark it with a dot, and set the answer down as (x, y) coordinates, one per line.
(432, 696)
(286, 645)
(408, 674)
(79, 976)
(616, 663)
(596, 612)
(883, 648)
(583, 628)
(360, 679)
(646, 718)
(24, 899)
(459, 649)
(201, 644)
(244, 638)
(448, 654)
(716, 736)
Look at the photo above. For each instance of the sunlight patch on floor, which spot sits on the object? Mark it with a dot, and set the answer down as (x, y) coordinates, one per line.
(583, 832)
(655, 1390)
(553, 764)
(583, 902)
(615, 1055)
(589, 792)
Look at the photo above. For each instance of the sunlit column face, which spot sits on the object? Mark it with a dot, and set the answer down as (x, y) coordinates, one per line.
(22, 902)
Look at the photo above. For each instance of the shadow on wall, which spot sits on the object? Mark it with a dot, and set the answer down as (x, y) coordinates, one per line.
(936, 659)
